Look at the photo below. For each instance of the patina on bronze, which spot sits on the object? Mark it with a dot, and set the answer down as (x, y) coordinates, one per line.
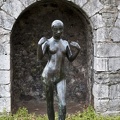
(53, 75)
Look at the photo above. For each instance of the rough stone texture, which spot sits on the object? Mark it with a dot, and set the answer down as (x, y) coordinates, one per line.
(6, 20)
(101, 35)
(5, 62)
(108, 78)
(3, 31)
(81, 3)
(5, 104)
(13, 7)
(107, 49)
(92, 7)
(97, 21)
(117, 23)
(100, 91)
(5, 90)
(4, 77)
(100, 64)
(115, 34)
(101, 105)
(26, 3)
(114, 64)
(5, 44)
(114, 91)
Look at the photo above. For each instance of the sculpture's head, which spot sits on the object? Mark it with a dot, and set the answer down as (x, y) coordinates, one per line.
(57, 28)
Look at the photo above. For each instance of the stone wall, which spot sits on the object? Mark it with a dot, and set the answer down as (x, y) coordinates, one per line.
(104, 16)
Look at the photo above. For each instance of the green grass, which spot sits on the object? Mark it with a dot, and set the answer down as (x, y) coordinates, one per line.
(88, 114)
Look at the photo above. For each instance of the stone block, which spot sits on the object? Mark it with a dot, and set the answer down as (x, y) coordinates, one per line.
(92, 7)
(5, 62)
(97, 21)
(119, 15)
(4, 91)
(100, 91)
(107, 49)
(114, 64)
(117, 23)
(100, 64)
(81, 2)
(101, 34)
(101, 78)
(3, 31)
(5, 104)
(114, 105)
(13, 7)
(4, 77)
(107, 78)
(114, 91)
(5, 44)
(115, 33)
(26, 3)
(101, 106)
(6, 21)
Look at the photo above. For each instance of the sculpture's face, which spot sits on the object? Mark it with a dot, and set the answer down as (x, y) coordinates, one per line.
(57, 28)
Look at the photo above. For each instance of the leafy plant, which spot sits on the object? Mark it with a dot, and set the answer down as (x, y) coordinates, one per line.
(88, 114)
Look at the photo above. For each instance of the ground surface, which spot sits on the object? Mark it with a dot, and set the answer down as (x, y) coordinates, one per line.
(40, 107)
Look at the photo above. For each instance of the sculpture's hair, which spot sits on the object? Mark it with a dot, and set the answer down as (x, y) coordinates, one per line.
(56, 23)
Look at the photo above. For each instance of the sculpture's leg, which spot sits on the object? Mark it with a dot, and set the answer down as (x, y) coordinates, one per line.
(61, 92)
(49, 92)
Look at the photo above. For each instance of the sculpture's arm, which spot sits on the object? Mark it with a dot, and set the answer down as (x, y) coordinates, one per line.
(42, 48)
(69, 54)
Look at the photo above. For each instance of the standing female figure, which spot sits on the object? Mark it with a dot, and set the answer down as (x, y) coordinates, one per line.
(53, 74)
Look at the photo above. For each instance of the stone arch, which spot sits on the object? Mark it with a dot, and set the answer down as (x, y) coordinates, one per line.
(10, 12)
(26, 82)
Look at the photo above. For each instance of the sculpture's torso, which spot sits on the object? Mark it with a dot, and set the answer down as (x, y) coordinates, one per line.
(57, 53)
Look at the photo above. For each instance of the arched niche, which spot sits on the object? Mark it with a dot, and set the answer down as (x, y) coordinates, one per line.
(35, 22)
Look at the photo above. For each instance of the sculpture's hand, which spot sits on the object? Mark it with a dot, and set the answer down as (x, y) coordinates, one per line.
(76, 45)
(42, 40)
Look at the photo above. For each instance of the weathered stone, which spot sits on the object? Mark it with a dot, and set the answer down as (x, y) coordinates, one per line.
(26, 3)
(107, 49)
(114, 105)
(92, 7)
(114, 64)
(5, 44)
(111, 113)
(109, 15)
(101, 34)
(80, 2)
(5, 104)
(6, 20)
(4, 91)
(1, 3)
(117, 23)
(114, 91)
(3, 31)
(100, 91)
(107, 78)
(4, 77)
(101, 106)
(13, 7)
(115, 34)
(100, 64)
(101, 78)
(119, 15)
(5, 62)
(97, 21)
(119, 7)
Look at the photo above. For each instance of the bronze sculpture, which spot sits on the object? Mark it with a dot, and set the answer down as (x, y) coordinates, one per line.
(53, 75)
